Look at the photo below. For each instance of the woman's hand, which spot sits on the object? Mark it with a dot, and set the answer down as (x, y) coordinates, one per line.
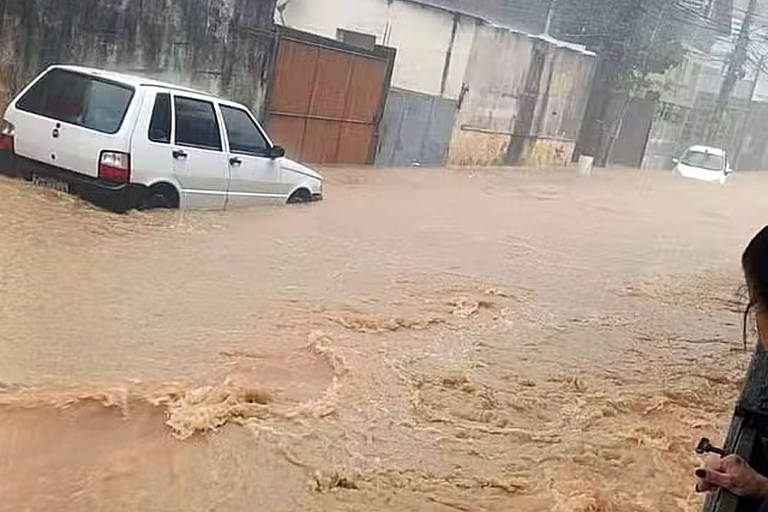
(734, 474)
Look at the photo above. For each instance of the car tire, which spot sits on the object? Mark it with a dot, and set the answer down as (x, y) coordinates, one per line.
(300, 196)
(159, 197)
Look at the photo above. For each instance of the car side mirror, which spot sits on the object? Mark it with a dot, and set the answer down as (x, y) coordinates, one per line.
(675, 160)
(276, 152)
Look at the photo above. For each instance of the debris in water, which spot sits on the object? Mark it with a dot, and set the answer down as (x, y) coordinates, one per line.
(325, 483)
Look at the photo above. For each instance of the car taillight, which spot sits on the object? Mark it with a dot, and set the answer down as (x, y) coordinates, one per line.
(115, 167)
(7, 132)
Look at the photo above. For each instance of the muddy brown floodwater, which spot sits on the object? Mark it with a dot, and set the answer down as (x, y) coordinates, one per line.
(422, 340)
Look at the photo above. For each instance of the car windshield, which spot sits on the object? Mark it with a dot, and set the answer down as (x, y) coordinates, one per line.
(703, 160)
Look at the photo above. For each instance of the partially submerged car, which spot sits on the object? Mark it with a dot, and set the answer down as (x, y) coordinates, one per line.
(127, 142)
(704, 163)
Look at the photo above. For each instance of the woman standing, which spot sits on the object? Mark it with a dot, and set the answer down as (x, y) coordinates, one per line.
(733, 472)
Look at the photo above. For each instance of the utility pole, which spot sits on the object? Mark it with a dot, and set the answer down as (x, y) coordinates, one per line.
(747, 113)
(550, 17)
(732, 75)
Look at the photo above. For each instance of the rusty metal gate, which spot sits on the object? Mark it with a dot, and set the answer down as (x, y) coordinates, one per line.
(327, 98)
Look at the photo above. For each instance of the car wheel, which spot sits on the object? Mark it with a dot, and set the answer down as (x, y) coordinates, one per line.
(300, 196)
(160, 196)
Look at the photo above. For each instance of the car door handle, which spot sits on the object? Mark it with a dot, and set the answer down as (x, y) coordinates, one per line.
(179, 154)
(235, 161)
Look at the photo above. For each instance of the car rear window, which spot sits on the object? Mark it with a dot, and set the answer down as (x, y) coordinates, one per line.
(196, 124)
(244, 135)
(79, 99)
(704, 160)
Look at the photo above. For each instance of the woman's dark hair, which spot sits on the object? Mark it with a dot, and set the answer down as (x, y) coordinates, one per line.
(755, 265)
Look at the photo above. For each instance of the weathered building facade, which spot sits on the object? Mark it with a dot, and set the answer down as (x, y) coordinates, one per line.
(221, 46)
(465, 91)
(524, 100)
(433, 46)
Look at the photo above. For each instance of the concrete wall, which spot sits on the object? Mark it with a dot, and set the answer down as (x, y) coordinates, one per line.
(431, 43)
(416, 129)
(524, 100)
(222, 46)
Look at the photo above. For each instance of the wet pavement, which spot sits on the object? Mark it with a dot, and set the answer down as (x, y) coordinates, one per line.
(422, 340)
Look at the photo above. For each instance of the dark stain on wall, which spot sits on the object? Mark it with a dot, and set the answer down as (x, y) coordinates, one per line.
(220, 46)
(528, 102)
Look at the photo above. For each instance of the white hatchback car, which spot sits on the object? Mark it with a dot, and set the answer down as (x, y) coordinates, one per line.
(126, 142)
(704, 163)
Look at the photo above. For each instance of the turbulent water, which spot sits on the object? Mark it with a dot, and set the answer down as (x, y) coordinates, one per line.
(422, 340)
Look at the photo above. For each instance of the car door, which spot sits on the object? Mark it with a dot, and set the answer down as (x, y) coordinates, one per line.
(151, 143)
(254, 175)
(199, 160)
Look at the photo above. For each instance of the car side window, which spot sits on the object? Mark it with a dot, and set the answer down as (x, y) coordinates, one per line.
(196, 124)
(160, 124)
(243, 134)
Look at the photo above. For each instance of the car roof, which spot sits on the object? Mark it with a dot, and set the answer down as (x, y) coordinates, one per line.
(707, 149)
(133, 80)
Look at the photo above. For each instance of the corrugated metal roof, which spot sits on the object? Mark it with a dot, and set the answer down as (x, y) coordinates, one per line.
(530, 16)
(524, 15)
(464, 8)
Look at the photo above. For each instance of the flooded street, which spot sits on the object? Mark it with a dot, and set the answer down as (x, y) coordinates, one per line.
(421, 340)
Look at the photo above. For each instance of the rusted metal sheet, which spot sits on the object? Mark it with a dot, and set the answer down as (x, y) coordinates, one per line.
(294, 79)
(365, 91)
(331, 84)
(355, 144)
(288, 132)
(523, 103)
(320, 142)
(327, 99)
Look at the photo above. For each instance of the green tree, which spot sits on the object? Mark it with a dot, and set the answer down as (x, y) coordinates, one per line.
(633, 40)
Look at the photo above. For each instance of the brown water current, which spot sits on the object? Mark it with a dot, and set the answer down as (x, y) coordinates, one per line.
(429, 340)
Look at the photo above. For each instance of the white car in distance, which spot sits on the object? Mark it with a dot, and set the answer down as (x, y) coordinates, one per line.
(125, 142)
(704, 163)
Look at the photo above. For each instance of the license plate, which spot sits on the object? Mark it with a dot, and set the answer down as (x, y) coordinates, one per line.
(51, 183)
